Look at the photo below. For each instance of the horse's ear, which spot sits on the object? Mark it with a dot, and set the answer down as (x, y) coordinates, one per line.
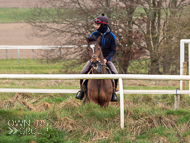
(87, 39)
(98, 39)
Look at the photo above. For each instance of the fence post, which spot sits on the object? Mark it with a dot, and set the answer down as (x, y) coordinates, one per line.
(60, 53)
(175, 100)
(33, 55)
(184, 73)
(47, 55)
(6, 54)
(18, 56)
(121, 102)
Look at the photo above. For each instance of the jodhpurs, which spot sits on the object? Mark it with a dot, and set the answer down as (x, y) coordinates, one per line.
(87, 67)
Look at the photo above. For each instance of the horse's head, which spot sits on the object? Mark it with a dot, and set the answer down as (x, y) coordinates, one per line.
(94, 50)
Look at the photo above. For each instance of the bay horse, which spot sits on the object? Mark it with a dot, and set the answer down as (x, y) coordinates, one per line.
(99, 91)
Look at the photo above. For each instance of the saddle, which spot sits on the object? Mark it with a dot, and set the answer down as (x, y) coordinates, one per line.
(85, 81)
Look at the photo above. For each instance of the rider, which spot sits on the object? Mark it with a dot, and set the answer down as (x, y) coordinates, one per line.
(108, 46)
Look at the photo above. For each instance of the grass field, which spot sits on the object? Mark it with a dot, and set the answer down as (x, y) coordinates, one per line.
(43, 118)
(7, 14)
(11, 15)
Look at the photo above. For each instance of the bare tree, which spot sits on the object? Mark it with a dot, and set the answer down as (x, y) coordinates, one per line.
(175, 28)
(158, 13)
(69, 21)
(129, 38)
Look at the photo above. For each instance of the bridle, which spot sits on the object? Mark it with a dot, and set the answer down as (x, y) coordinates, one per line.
(97, 68)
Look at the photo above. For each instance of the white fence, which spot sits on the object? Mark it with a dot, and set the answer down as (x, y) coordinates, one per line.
(9, 47)
(97, 76)
(117, 76)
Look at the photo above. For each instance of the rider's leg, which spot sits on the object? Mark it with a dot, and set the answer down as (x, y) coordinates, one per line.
(112, 67)
(114, 71)
(85, 70)
(80, 93)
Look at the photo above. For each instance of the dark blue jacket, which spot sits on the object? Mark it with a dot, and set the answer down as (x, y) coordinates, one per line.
(107, 43)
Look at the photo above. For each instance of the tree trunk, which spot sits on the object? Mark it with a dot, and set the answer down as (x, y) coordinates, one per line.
(154, 69)
(166, 67)
(124, 67)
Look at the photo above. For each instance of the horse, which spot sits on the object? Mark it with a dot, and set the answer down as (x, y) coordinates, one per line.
(98, 91)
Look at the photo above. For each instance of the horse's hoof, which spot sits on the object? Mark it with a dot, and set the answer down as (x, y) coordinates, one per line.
(79, 95)
(114, 98)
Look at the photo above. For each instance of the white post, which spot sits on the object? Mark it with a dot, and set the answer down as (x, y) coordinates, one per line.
(18, 56)
(182, 50)
(6, 54)
(121, 102)
(47, 55)
(175, 102)
(189, 63)
(33, 54)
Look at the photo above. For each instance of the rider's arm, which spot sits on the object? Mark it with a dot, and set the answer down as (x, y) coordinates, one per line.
(112, 48)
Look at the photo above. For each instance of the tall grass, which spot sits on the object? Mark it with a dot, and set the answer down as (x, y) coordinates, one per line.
(69, 121)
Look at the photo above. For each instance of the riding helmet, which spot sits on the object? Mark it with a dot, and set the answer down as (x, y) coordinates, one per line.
(102, 19)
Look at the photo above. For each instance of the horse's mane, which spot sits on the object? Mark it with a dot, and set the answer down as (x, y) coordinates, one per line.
(91, 39)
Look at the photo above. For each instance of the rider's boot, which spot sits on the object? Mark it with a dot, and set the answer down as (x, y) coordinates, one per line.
(114, 96)
(80, 93)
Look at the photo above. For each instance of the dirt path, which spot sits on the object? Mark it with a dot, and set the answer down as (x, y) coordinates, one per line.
(18, 34)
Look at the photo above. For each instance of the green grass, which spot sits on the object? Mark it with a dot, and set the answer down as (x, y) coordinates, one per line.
(11, 15)
(7, 14)
(36, 66)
